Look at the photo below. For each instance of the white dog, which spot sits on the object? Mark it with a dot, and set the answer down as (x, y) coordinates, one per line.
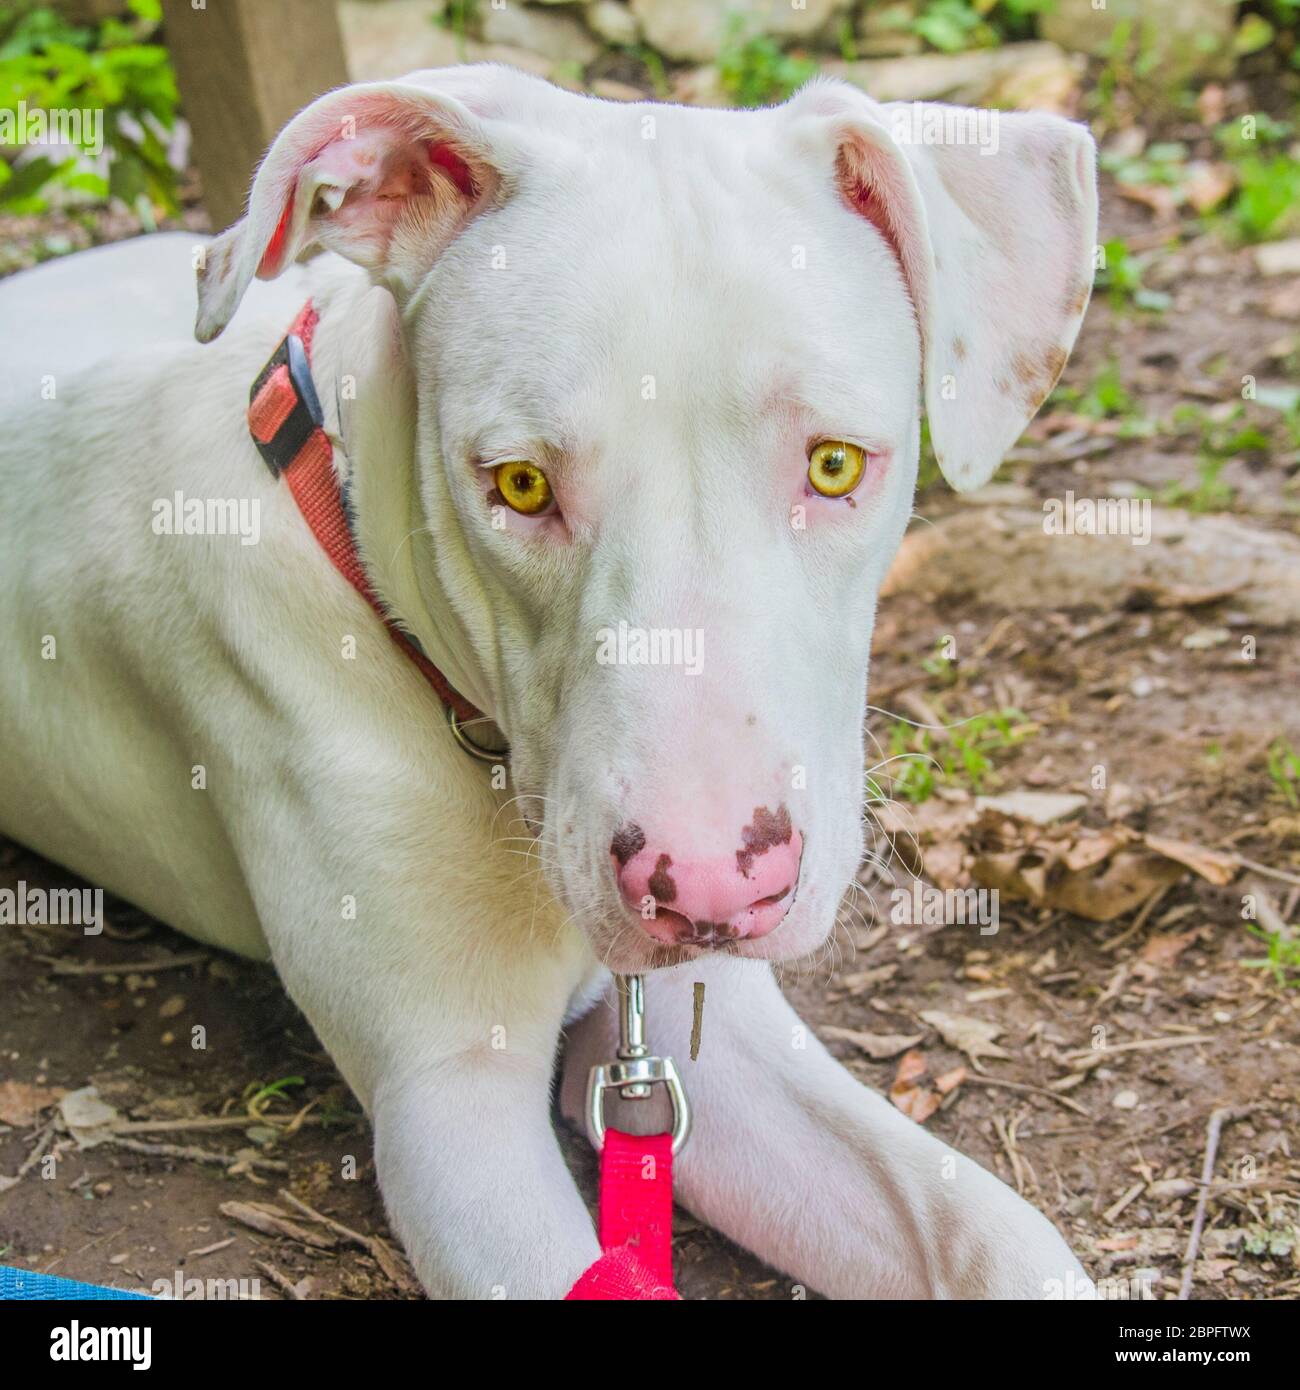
(623, 400)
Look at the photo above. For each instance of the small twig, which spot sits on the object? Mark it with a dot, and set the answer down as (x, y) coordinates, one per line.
(1280, 874)
(192, 1154)
(35, 1155)
(1033, 1090)
(1112, 1212)
(201, 1122)
(1141, 1045)
(1218, 1118)
(1140, 921)
(1269, 917)
(210, 1249)
(282, 1281)
(388, 1260)
(697, 1023)
(142, 967)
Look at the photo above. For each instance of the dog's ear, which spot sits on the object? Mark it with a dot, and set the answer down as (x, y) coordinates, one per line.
(993, 217)
(384, 173)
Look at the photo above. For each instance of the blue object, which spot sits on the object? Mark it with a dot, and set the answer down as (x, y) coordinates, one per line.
(27, 1284)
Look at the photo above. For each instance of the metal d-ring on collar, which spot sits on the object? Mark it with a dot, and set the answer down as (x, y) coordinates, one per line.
(475, 750)
(636, 1069)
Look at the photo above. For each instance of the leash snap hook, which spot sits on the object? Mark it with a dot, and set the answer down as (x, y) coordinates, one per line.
(636, 1071)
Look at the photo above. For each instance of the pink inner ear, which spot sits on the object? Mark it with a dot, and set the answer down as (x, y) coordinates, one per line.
(456, 169)
(876, 194)
(268, 266)
(866, 200)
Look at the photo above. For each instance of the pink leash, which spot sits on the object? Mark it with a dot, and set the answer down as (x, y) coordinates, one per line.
(636, 1221)
(636, 1171)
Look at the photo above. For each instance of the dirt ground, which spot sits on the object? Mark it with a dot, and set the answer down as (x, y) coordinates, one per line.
(1109, 1140)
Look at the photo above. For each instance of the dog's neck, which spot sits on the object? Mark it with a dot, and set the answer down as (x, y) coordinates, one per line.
(367, 391)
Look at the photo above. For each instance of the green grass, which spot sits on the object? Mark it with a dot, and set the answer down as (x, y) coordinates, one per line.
(1120, 278)
(1283, 959)
(1267, 197)
(273, 1090)
(754, 69)
(961, 756)
(1209, 493)
(1284, 769)
(941, 668)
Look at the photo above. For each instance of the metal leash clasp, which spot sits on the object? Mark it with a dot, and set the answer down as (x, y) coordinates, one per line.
(636, 1070)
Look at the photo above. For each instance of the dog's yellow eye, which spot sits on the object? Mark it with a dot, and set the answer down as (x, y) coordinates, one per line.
(523, 487)
(835, 468)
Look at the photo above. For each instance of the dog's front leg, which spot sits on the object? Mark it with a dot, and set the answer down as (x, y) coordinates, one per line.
(441, 1001)
(474, 1181)
(821, 1177)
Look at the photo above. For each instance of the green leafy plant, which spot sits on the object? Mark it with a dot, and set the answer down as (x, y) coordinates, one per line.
(939, 666)
(954, 25)
(958, 755)
(1284, 769)
(1120, 276)
(1283, 959)
(1268, 197)
(48, 65)
(756, 71)
(1209, 493)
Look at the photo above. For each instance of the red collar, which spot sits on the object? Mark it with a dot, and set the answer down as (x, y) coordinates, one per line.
(287, 425)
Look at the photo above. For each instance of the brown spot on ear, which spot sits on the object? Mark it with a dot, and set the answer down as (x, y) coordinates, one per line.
(769, 828)
(959, 349)
(629, 840)
(661, 886)
(1055, 365)
(1026, 368)
(1077, 299)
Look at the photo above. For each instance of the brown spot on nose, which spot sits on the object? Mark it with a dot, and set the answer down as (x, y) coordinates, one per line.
(769, 828)
(959, 349)
(661, 886)
(629, 840)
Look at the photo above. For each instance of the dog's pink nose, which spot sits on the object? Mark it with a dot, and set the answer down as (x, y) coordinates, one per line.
(686, 900)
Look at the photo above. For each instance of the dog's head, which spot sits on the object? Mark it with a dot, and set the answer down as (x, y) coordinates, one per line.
(668, 366)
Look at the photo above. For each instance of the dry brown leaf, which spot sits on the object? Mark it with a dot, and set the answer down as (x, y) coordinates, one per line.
(973, 1036)
(1216, 868)
(880, 1046)
(910, 1068)
(916, 1102)
(862, 980)
(1162, 952)
(950, 1080)
(1208, 184)
(1127, 881)
(1157, 196)
(20, 1104)
(1037, 808)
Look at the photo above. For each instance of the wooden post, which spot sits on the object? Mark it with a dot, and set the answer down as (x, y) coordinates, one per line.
(243, 68)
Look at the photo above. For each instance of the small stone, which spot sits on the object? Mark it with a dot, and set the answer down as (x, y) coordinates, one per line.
(614, 23)
(1278, 257)
(1125, 1100)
